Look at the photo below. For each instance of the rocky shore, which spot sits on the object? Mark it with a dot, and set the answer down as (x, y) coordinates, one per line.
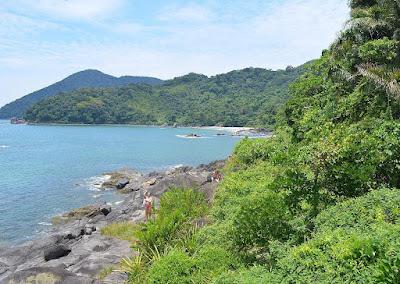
(75, 251)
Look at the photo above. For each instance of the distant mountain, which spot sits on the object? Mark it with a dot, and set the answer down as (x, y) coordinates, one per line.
(248, 97)
(82, 79)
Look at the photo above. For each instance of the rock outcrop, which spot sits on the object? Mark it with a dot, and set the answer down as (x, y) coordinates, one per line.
(76, 251)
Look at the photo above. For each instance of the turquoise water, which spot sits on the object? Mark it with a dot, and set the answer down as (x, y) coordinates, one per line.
(46, 170)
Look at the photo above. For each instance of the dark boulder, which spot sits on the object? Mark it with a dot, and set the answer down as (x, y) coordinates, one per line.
(73, 234)
(56, 251)
(106, 209)
(122, 183)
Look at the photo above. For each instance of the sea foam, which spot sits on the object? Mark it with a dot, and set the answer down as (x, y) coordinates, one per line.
(191, 137)
(95, 183)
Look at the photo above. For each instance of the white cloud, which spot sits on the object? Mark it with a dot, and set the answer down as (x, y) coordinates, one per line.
(14, 25)
(190, 12)
(69, 9)
(188, 38)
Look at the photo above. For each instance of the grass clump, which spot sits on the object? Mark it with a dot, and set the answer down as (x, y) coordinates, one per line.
(105, 272)
(123, 230)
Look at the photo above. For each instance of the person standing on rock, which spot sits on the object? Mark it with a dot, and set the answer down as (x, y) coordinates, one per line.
(148, 205)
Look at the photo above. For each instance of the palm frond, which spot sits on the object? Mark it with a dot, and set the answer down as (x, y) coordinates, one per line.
(383, 80)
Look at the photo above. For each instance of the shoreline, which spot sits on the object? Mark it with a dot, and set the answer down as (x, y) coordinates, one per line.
(241, 131)
(85, 251)
(206, 127)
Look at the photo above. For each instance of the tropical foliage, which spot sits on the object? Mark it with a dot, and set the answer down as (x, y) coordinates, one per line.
(320, 201)
(246, 97)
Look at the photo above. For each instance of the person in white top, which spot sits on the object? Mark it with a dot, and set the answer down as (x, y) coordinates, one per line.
(148, 205)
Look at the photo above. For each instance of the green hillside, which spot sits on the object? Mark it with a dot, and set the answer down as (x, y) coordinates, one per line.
(246, 97)
(317, 203)
(82, 79)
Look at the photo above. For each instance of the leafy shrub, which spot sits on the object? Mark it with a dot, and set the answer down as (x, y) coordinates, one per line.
(177, 266)
(380, 51)
(350, 159)
(248, 151)
(261, 218)
(350, 243)
(254, 275)
(363, 213)
(389, 270)
(251, 151)
(174, 267)
(236, 185)
(211, 261)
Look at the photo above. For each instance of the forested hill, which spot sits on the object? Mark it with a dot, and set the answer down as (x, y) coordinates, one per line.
(319, 202)
(244, 97)
(86, 78)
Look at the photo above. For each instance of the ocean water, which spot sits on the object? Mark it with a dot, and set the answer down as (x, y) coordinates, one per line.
(47, 170)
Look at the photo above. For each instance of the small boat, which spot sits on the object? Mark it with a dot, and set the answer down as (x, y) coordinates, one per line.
(16, 120)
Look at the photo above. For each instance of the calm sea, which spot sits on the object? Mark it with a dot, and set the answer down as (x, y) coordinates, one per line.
(47, 170)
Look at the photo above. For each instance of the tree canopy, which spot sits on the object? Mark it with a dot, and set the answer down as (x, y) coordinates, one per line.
(248, 97)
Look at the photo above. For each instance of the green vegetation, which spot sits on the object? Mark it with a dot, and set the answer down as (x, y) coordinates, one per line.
(249, 97)
(319, 202)
(82, 79)
(123, 231)
(105, 272)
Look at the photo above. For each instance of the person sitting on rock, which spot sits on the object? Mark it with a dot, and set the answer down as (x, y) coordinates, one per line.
(148, 205)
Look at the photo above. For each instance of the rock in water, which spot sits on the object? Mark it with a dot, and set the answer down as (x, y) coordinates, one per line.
(122, 183)
(56, 251)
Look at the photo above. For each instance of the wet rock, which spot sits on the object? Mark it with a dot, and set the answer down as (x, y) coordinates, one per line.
(56, 251)
(76, 214)
(122, 183)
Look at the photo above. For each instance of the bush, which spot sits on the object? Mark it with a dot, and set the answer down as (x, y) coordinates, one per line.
(348, 160)
(175, 267)
(251, 151)
(389, 270)
(381, 51)
(236, 185)
(254, 275)
(262, 217)
(351, 242)
(363, 213)
(211, 261)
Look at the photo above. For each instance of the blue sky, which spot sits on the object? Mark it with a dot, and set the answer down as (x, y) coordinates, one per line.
(43, 41)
